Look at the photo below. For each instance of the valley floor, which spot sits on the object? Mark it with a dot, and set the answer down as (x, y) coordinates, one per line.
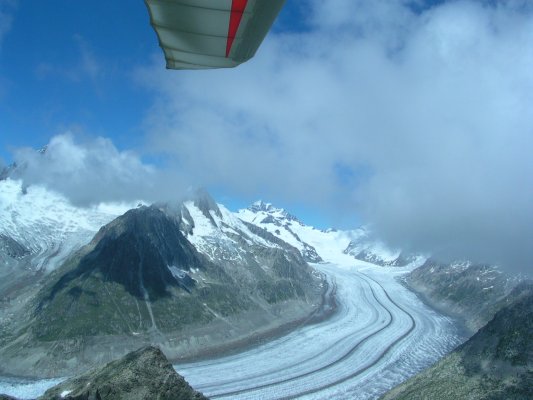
(381, 335)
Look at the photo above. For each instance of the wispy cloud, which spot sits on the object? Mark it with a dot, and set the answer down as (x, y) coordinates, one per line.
(86, 66)
(6, 17)
(426, 112)
(7, 9)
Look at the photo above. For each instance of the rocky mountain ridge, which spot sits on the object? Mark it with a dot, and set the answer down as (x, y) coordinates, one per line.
(144, 374)
(495, 363)
(357, 243)
(189, 276)
(469, 291)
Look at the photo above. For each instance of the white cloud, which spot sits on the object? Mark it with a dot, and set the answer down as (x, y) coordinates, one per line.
(94, 171)
(427, 113)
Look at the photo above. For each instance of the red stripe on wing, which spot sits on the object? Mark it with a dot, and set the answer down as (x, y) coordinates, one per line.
(237, 9)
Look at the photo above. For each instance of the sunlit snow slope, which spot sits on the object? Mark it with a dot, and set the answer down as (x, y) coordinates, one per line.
(304, 237)
(46, 224)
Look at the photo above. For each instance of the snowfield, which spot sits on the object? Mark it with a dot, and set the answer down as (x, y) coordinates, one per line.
(47, 224)
(381, 335)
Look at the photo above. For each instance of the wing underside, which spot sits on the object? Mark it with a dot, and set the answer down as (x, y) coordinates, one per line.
(197, 34)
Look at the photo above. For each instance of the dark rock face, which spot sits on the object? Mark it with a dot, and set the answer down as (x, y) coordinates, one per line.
(6, 397)
(507, 339)
(144, 374)
(126, 247)
(470, 291)
(496, 363)
(206, 204)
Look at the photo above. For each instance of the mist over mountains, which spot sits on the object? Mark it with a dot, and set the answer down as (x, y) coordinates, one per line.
(95, 171)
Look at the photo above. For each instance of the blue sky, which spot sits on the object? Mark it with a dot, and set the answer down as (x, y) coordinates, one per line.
(70, 66)
(409, 116)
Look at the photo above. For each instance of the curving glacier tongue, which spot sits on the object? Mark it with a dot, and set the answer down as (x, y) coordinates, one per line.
(381, 335)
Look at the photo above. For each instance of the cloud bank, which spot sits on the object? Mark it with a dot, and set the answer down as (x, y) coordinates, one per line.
(418, 119)
(93, 171)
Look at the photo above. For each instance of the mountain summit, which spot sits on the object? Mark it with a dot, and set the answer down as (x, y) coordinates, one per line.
(280, 223)
(276, 214)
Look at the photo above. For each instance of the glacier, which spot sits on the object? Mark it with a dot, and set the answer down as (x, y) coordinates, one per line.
(381, 335)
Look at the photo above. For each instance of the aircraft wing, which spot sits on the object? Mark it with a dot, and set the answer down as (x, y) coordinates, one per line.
(198, 34)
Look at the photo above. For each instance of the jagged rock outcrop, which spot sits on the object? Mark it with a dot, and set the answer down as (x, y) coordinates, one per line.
(144, 374)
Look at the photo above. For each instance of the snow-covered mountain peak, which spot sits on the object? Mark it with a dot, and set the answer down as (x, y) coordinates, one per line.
(49, 228)
(331, 245)
(260, 205)
(267, 213)
(206, 204)
(47, 224)
(217, 232)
